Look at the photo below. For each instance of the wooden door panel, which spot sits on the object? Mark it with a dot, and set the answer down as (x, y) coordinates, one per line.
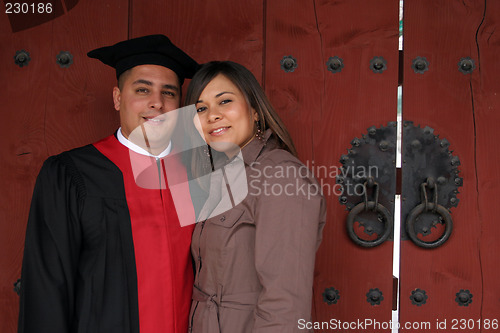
(206, 30)
(318, 107)
(442, 98)
(486, 92)
(295, 91)
(79, 107)
(47, 109)
(354, 100)
(22, 149)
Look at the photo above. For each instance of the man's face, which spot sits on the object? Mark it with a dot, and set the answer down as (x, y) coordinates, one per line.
(147, 94)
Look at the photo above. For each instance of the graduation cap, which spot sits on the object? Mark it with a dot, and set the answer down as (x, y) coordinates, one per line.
(147, 50)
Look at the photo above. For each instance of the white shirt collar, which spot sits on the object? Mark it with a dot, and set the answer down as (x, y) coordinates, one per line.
(132, 146)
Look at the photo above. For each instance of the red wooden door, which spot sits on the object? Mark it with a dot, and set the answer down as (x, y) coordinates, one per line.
(486, 92)
(462, 107)
(352, 100)
(207, 30)
(48, 109)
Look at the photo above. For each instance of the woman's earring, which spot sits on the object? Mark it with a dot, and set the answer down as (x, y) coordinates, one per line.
(258, 133)
(208, 160)
(206, 151)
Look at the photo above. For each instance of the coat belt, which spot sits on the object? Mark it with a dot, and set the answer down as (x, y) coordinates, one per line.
(243, 301)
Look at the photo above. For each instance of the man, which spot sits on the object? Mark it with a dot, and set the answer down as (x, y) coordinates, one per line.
(105, 252)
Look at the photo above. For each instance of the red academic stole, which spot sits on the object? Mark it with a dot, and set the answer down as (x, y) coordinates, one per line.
(162, 246)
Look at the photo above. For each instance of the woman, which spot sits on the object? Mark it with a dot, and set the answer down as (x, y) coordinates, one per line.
(254, 259)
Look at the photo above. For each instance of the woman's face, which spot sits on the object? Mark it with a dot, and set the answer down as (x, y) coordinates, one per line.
(224, 117)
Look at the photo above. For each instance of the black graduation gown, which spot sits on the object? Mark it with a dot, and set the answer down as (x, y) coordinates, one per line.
(79, 271)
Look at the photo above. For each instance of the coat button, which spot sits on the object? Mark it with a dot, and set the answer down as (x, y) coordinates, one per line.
(223, 218)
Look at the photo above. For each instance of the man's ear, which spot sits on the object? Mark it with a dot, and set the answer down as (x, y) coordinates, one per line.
(117, 96)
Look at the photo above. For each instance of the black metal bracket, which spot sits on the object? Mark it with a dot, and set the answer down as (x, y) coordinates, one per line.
(378, 64)
(335, 64)
(374, 296)
(428, 165)
(288, 63)
(420, 65)
(466, 65)
(444, 217)
(463, 297)
(418, 297)
(383, 216)
(368, 182)
(64, 59)
(331, 296)
(22, 58)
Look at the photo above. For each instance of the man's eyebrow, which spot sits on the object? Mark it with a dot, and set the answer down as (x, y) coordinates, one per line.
(142, 81)
(171, 87)
(218, 95)
(149, 83)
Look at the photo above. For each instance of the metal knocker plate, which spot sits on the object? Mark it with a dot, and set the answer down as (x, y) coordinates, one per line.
(429, 186)
(368, 180)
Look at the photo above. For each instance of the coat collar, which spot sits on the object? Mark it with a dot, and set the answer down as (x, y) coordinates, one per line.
(253, 149)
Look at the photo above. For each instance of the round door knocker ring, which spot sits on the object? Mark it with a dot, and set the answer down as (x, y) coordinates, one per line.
(378, 208)
(415, 213)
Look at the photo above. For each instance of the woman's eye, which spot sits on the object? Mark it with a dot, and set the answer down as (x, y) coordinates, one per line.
(225, 101)
(201, 109)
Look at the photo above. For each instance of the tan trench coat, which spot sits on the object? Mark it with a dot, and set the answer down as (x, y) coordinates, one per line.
(255, 262)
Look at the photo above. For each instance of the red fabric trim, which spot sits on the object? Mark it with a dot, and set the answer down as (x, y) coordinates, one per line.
(161, 245)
